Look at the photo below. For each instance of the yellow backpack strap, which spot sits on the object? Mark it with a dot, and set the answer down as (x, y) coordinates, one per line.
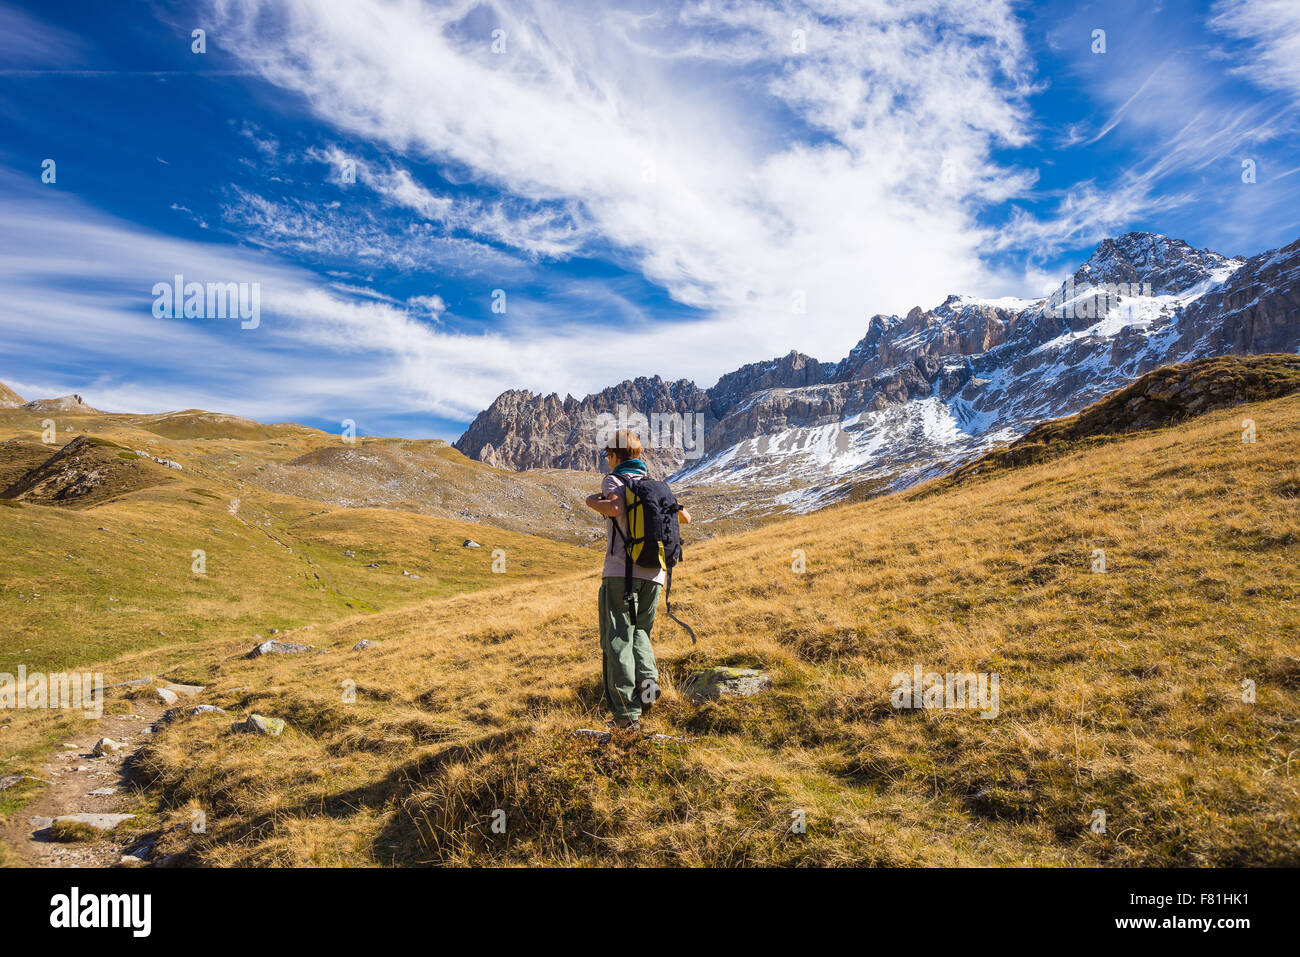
(629, 496)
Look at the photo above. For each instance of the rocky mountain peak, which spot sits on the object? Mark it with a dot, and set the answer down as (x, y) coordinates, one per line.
(933, 387)
(1167, 266)
(68, 403)
(793, 370)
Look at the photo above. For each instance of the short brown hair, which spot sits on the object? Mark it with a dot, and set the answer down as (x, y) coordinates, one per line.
(625, 445)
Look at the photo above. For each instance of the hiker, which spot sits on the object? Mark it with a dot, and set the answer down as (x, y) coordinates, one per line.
(628, 661)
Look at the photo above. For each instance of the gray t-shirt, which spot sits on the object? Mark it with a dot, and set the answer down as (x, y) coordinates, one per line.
(615, 557)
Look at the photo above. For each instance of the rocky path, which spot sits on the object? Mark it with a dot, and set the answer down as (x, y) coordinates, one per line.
(78, 782)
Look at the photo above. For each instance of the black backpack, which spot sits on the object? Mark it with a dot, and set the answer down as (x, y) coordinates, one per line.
(654, 537)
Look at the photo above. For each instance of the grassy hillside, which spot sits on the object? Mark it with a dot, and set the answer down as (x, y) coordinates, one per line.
(431, 477)
(98, 545)
(245, 458)
(1159, 398)
(1120, 691)
(197, 424)
(85, 585)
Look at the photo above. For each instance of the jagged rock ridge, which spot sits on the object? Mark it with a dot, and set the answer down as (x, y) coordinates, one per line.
(921, 393)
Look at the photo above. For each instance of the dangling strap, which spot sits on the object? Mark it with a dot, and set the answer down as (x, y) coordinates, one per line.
(669, 608)
(629, 596)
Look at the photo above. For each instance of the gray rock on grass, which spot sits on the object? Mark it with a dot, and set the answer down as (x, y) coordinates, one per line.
(278, 648)
(100, 822)
(715, 683)
(258, 724)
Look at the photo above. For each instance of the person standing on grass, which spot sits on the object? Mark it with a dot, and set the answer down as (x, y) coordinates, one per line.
(631, 676)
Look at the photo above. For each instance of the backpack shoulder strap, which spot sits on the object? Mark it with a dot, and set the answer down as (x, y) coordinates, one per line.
(629, 596)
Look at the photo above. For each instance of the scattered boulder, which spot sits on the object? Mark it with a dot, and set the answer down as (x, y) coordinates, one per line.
(715, 683)
(278, 648)
(185, 691)
(166, 695)
(142, 850)
(365, 644)
(172, 714)
(257, 724)
(103, 792)
(83, 826)
(470, 543)
(105, 746)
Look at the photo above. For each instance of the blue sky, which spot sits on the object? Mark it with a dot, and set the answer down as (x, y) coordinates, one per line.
(438, 202)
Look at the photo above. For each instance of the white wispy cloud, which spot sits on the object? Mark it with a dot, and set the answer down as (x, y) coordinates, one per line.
(549, 230)
(323, 348)
(1169, 134)
(1273, 29)
(26, 41)
(332, 232)
(704, 146)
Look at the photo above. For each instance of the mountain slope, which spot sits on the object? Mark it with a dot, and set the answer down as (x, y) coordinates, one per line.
(198, 424)
(1158, 399)
(103, 579)
(1120, 691)
(85, 472)
(71, 404)
(432, 478)
(521, 430)
(9, 399)
(424, 477)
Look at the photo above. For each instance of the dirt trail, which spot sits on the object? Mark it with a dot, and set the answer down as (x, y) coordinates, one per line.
(72, 773)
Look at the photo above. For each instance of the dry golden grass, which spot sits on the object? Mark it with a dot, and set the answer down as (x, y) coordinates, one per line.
(1119, 691)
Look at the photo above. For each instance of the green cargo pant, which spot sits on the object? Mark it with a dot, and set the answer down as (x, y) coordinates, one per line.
(626, 656)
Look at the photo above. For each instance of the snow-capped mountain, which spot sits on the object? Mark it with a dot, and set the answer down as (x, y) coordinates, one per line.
(921, 393)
